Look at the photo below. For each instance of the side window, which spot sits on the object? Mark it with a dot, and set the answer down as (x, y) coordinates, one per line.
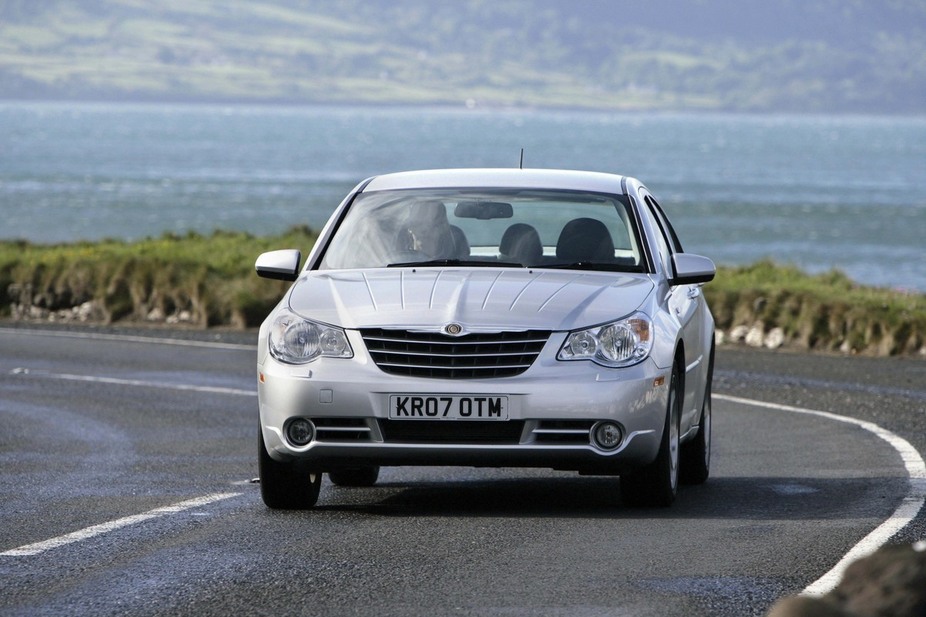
(663, 240)
(666, 226)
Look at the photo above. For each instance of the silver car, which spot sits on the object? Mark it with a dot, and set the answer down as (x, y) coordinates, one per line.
(488, 317)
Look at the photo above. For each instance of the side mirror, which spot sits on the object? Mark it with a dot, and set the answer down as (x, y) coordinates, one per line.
(279, 265)
(691, 269)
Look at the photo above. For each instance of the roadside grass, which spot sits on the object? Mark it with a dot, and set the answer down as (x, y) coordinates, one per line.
(826, 312)
(209, 281)
(192, 279)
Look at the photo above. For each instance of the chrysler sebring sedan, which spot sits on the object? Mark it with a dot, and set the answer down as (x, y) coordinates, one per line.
(489, 318)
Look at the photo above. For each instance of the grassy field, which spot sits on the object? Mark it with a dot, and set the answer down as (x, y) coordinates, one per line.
(209, 281)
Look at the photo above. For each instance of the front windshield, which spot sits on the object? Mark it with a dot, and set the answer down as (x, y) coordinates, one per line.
(513, 228)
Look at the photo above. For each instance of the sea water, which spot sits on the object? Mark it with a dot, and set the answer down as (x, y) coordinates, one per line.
(820, 192)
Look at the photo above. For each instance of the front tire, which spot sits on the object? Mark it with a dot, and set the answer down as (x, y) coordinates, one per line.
(286, 486)
(656, 484)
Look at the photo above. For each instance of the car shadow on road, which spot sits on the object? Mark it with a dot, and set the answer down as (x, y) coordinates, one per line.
(750, 498)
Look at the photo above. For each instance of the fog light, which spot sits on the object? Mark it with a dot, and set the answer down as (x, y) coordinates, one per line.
(300, 432)
(607, 435)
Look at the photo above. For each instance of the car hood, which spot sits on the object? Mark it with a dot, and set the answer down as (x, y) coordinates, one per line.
(482, 299)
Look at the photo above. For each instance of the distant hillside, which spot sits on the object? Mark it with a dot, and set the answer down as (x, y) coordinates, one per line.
(745, 55)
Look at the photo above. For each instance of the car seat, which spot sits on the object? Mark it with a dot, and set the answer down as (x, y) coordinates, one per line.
(459, 242)
(585, 239)
(521, 243)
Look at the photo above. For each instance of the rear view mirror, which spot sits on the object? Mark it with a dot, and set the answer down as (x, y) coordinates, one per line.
(483, 210)
(279, 265)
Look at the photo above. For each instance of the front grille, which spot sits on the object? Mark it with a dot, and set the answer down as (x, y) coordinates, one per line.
(471, 356)
(451, 432)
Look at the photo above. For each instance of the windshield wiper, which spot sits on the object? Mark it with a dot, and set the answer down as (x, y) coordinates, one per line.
(456, 262)
(594, 265)
(583, 265)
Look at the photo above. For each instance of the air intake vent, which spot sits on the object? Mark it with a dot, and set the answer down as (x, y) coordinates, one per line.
(472, 356)
(562, 432)
(342, 429)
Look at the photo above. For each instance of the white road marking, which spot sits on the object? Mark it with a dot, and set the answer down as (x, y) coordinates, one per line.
(100, 336)
(96, 530)
(905, 512)
(134, 382)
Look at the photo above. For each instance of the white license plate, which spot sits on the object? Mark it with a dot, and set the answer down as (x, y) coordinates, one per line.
(447, 407)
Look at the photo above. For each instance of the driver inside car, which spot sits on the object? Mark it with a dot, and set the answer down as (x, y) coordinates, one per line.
(425, 230)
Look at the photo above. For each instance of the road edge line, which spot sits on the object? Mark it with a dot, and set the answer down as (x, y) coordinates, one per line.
(908, 509)
(97, 530)
(129, 338)
(137, 383)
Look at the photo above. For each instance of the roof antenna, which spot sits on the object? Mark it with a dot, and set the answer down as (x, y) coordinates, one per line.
(521, 162)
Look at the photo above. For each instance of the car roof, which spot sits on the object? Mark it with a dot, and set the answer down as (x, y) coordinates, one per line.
(562, 179)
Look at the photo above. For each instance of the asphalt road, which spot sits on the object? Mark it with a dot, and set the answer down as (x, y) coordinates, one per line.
(125, 489)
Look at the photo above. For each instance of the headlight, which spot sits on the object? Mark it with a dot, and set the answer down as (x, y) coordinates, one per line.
(295, 340)
(621, 343)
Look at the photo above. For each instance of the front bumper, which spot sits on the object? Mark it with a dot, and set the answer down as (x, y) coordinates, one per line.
(553, 408)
